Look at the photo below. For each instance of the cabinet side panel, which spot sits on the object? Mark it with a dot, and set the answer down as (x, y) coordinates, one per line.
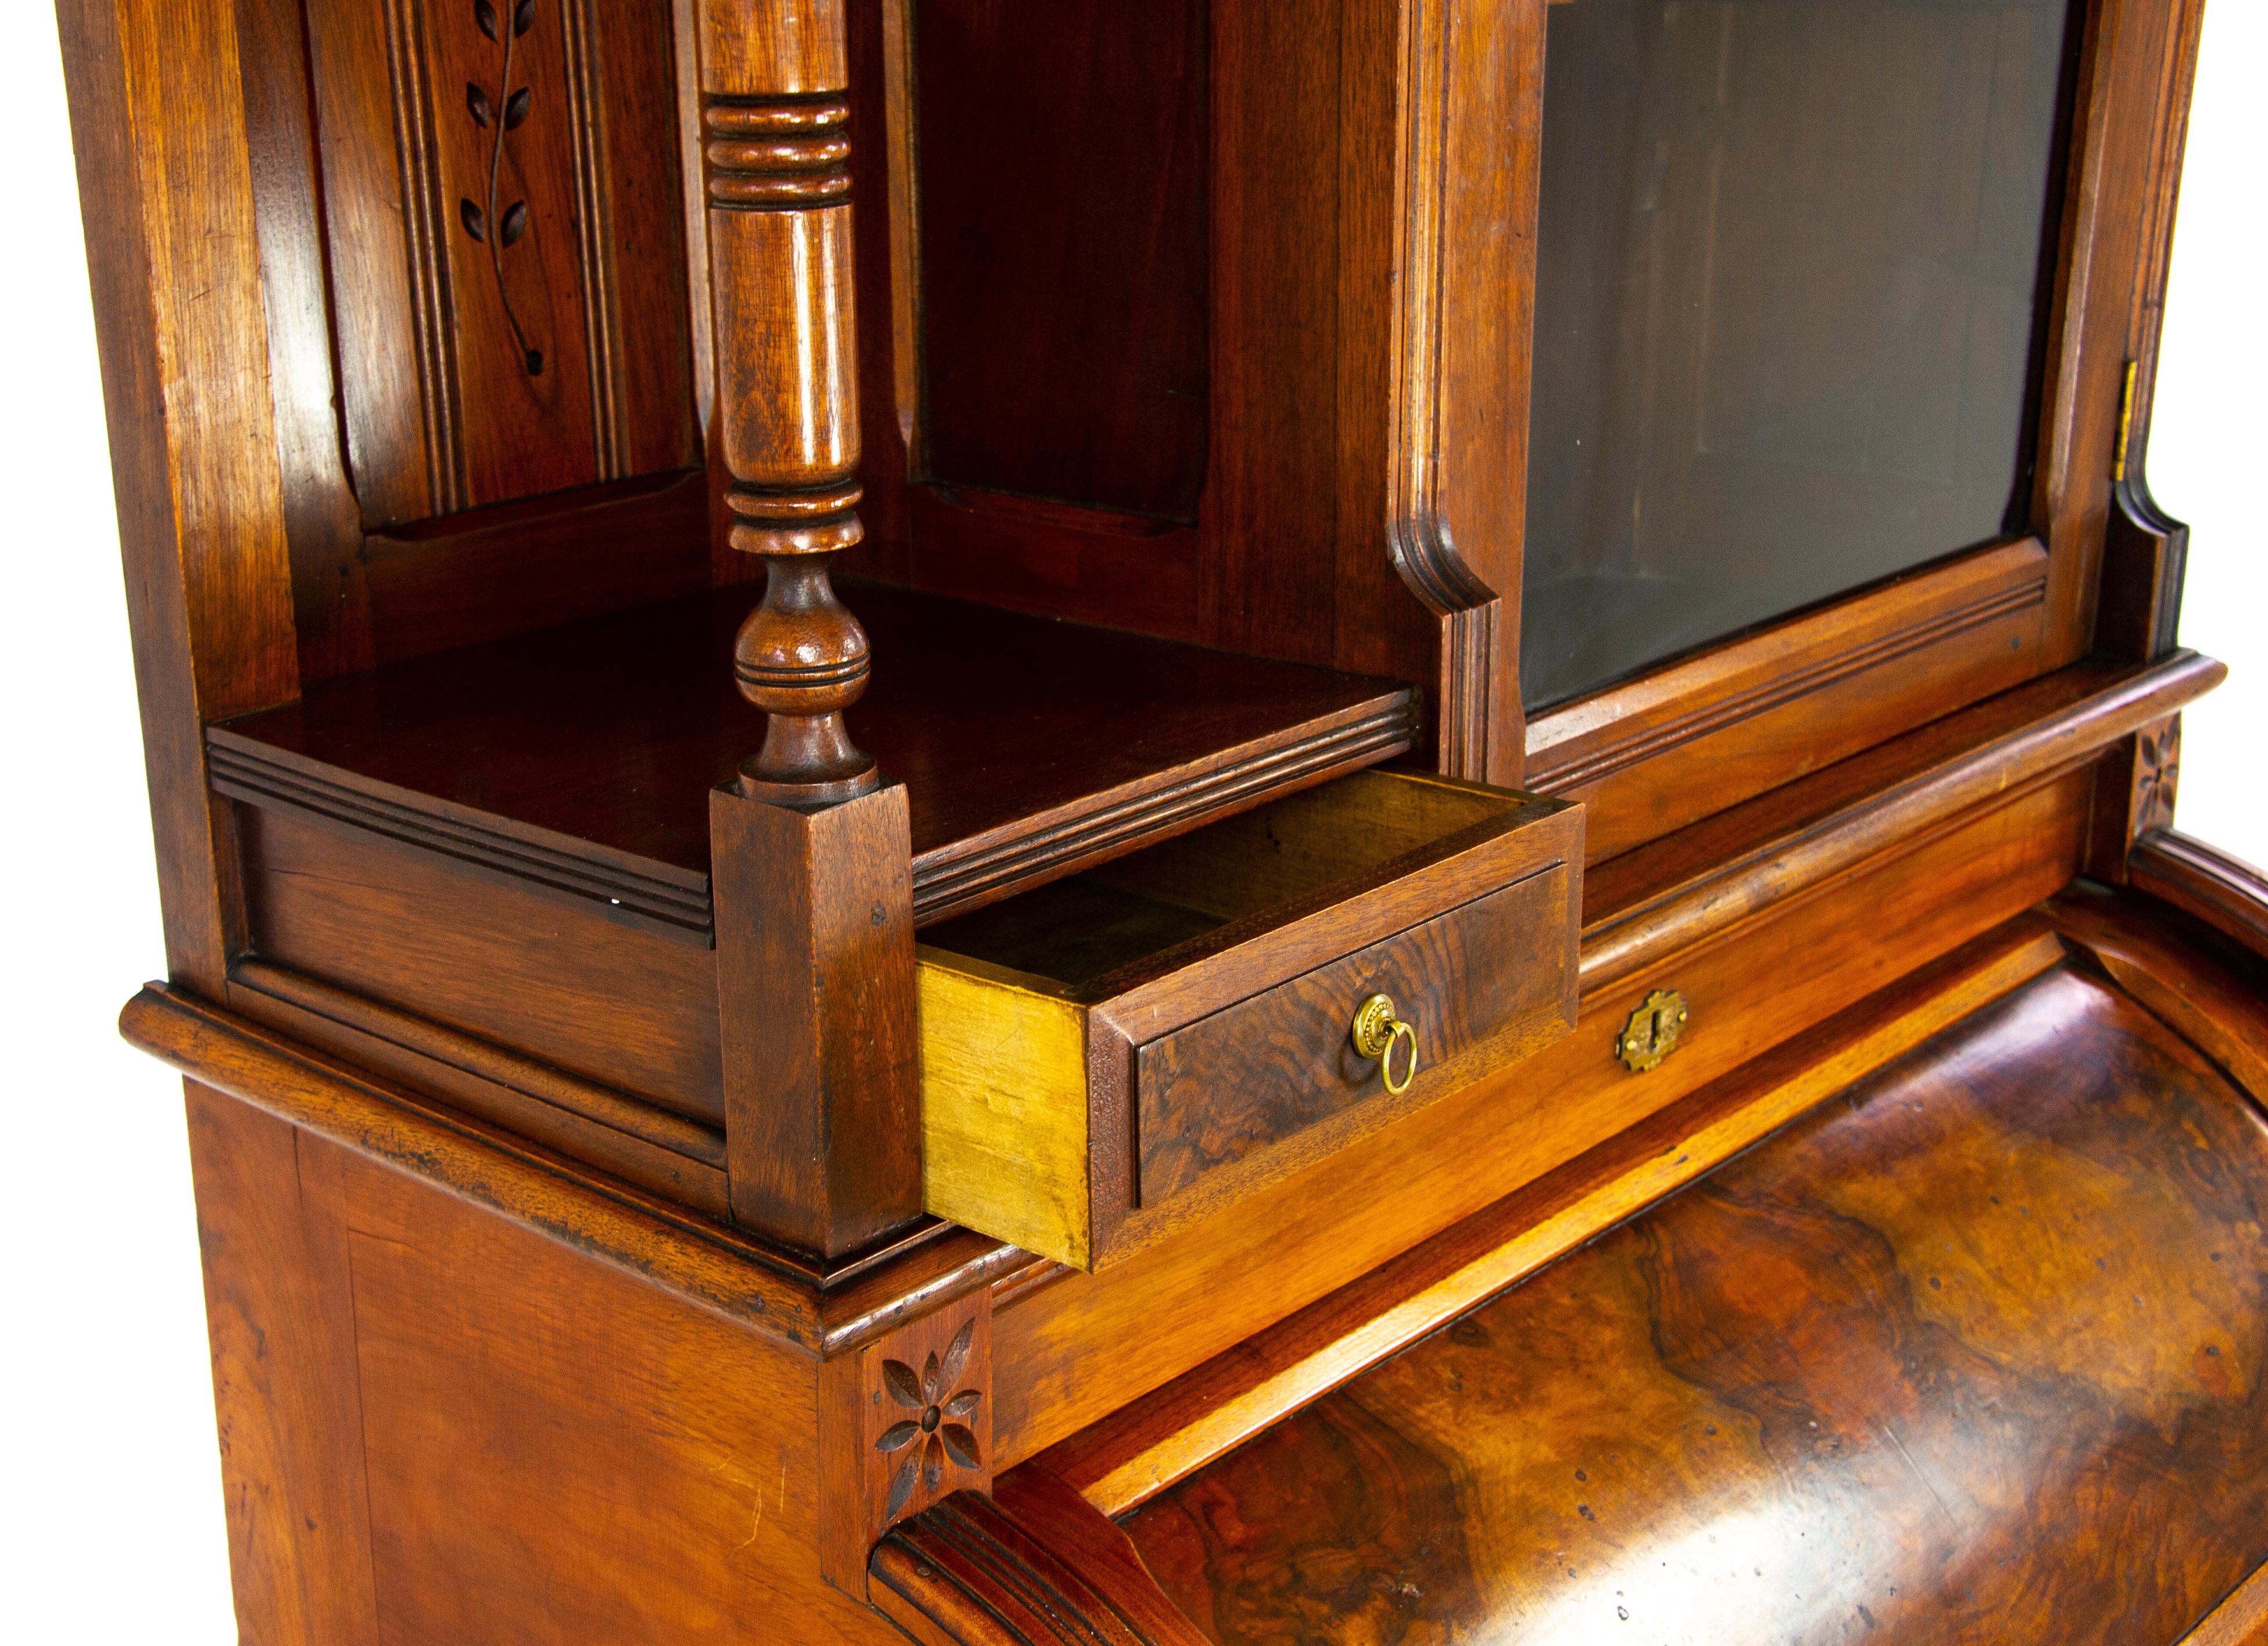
(284, 1387)
(558, 1452)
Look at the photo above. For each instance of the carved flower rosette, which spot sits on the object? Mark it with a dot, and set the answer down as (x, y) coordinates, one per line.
(934, 1424)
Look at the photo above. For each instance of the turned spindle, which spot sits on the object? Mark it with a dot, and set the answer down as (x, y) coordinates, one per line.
(773, 119)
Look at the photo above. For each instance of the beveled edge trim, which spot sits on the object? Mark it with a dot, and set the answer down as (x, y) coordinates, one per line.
(672, 902)
(1903, 814)
(783, 1298)
(1755, 653)
(2240, 1620)
(1121, 1461)
(2226, 892)
(424, 1038)
(950, 880)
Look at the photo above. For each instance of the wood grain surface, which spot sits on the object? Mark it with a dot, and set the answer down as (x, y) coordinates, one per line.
(1231, 1084)
(1975, 1353)
(1027, 748)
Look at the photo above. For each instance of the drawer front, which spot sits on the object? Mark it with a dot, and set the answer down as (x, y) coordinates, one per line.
(1246, 1080)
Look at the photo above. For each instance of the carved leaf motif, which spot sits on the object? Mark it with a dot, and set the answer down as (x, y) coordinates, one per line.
(476, 222)
(516, 106)
(484, 13)
(902, 1485)
(523, 18)
(956, 1357)
(514, 223)
(961, 1444)
(898, 1437)
(932, 1382)
(962, 1404)
(904, 1387)
(933, 1464)
(477, 102)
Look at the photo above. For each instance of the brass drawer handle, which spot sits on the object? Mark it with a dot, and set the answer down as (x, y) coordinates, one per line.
(1375, 1030)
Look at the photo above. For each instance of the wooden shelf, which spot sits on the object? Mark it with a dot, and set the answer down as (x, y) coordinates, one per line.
(578, 760)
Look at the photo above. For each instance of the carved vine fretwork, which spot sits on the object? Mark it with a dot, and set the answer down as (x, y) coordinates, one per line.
(501, 115)
(2157, 775)
(935, 1426)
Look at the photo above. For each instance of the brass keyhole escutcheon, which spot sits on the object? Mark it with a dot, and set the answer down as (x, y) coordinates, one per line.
(1376, 1032)
(1653, 1031)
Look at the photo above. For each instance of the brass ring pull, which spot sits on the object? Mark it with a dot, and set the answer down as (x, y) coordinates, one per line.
(1375, 1033)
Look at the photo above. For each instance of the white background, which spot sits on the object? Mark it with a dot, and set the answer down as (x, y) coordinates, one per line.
(110, 1496)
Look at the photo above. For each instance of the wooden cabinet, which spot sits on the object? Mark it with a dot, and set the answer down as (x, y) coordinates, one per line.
(1023, 820)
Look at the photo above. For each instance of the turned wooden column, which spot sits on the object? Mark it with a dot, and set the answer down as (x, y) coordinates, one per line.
(774, 110)
(812, 852)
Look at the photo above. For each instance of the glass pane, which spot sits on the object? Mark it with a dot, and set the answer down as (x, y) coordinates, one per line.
(1789, 262)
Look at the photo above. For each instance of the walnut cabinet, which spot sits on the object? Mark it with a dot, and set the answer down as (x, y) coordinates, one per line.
(1042, 821)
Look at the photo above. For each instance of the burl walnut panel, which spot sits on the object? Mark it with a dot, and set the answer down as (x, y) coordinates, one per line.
(1973, 1354)
(1231, 1084)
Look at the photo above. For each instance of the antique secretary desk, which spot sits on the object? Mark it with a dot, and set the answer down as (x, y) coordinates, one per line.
(1172, 820)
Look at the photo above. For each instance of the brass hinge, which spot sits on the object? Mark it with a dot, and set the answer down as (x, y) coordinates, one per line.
(2125, 424)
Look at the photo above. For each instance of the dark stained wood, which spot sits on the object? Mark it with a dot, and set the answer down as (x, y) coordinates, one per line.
(1651, 903)
(278, 1280)
(1689, 740)
(781, 285)
(2217, 889)
(2144, 558)
(156, 124)
(622, 1008)
(1358, 507)
(681, 1159)
(1234, 1083)
(1027, 748)
(815, 1001)
(520, 567)
(2135, 784)
(1924, 1364)
(2240, 1621)
(1062, 205)
(1032, 1563)
(506, 255)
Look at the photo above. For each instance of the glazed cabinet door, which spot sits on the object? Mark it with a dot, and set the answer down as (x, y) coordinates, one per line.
(1833, 305)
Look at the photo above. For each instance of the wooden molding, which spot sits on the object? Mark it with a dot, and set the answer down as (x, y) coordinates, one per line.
(2224, 892)
(1690, 739)
(643, 892)
(675, 900)
(1031, 1566)
(2242, 1619)
(1644, 908)
(827, 1310)
(613, 1130)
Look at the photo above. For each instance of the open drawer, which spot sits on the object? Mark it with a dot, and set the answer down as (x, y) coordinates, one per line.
(1108, 1057)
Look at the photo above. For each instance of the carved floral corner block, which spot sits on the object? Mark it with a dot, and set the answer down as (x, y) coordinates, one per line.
(2157, 775)
(911, 1424)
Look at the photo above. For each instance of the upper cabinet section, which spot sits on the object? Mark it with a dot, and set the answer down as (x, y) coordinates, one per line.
(504, 210)
(1064, 268)
(1795, 260)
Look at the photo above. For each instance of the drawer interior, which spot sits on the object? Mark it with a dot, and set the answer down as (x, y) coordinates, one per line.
(1102, 930)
